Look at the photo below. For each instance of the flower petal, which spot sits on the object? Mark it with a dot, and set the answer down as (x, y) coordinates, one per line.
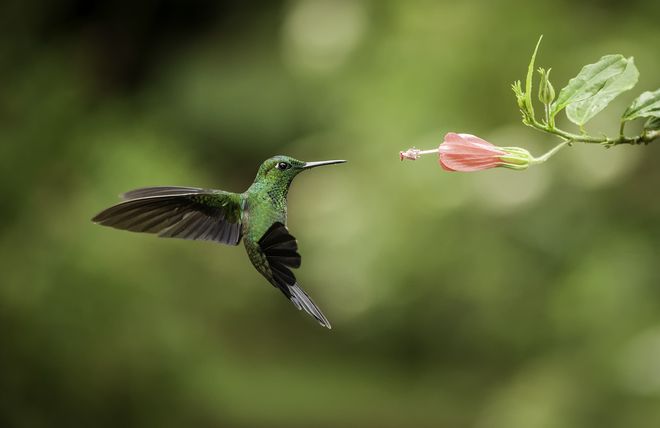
(444, 166)
(466, 152)
(456, 143)
(452, 163)
(475, 140)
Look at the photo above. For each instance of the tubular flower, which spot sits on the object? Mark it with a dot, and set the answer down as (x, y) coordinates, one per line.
(466, 152)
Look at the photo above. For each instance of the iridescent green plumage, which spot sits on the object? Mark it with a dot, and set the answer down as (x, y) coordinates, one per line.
(258, 216)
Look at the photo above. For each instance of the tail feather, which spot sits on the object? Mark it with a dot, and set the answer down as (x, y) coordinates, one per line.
(277, 253)
(303, 301)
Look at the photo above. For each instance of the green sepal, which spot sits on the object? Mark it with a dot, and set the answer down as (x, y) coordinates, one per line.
(529, 107)
(515, 158)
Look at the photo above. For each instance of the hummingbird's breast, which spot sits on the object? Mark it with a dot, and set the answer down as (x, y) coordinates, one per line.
(258, 216)
(260, 212)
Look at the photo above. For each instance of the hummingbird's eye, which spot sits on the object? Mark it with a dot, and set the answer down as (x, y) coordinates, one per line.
(282, 166)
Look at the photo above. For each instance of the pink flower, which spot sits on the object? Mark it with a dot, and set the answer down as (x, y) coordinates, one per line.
(465, 152)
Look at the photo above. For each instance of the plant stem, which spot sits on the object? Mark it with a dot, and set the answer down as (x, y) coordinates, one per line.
(645, 138)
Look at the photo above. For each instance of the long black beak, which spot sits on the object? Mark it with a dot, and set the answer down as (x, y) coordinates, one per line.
(309, 165)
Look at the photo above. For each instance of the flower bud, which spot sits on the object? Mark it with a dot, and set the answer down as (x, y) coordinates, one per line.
(546, 90)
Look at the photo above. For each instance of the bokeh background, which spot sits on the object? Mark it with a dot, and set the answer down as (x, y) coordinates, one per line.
(486, 300)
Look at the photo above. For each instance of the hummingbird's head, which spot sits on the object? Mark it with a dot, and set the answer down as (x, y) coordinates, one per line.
(283, 169)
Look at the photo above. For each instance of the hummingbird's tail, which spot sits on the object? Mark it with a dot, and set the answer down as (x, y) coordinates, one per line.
(303, 301)
(276, 253)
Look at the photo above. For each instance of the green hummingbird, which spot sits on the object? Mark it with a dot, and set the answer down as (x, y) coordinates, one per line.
(257, 215)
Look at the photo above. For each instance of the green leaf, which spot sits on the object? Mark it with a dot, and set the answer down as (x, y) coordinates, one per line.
(589, 80)
(653, 124)
(580, 112)
(646, 105)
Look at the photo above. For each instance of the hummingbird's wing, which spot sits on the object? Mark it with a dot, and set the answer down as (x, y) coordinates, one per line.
(278, 251)
(178, 212)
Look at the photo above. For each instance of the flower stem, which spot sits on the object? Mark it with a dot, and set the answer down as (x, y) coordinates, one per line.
(550, 153)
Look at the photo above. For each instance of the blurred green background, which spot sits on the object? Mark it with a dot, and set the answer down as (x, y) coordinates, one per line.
(486, 300)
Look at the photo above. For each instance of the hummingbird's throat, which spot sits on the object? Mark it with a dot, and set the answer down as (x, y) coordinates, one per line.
(277, 195)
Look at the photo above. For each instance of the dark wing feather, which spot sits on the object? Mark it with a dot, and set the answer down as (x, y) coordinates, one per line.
(280, 250)
(161, 191)
(178, 212)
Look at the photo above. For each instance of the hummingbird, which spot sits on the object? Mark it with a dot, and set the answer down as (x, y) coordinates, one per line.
(258, 216)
